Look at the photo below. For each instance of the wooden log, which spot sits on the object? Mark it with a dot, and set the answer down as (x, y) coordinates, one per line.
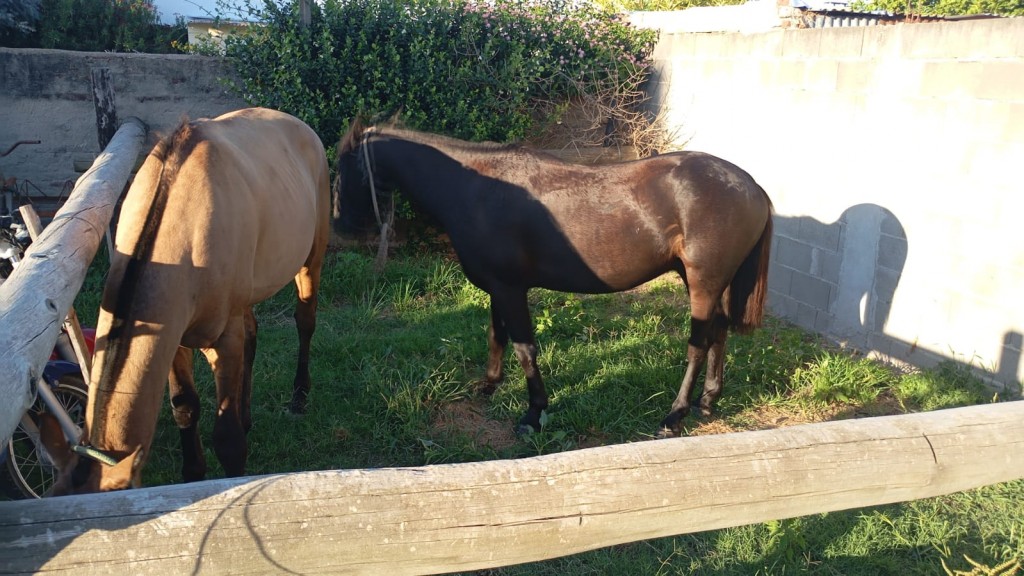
(471, 516)
(37, 296)
(71, 324)
(82, 162)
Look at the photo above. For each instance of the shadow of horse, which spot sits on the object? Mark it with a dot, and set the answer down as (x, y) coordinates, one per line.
(839, 278)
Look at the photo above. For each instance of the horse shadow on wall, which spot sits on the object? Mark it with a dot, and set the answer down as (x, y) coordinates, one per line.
(839, 279)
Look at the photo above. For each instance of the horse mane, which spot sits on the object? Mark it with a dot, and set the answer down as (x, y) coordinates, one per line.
(171, 152)
(351, 139)
(176, 141)
(393, 127)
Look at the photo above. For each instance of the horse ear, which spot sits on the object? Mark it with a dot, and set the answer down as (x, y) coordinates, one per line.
(124, 474)
(53, 439)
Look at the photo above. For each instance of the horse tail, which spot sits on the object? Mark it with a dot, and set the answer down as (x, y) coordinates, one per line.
(749, 287)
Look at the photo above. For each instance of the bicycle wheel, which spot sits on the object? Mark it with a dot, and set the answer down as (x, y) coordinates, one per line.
(29, 471)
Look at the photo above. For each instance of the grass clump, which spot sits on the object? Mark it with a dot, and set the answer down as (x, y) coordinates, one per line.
(837, 377)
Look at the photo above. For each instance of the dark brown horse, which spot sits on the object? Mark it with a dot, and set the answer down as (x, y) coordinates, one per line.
(519, 218)
(222, 215)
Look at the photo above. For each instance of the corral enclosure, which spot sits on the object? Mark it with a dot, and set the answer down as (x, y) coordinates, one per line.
(833, 261)
(889, 153)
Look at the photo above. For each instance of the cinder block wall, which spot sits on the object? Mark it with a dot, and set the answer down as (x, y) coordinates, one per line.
(893, 156)
(47, 95)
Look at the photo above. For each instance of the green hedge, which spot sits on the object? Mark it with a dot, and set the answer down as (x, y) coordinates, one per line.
(473, 70)
(944, 7)
(89, 25)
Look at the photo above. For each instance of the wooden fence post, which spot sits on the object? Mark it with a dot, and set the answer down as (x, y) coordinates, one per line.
(103, 99)
(456, 517)
(37, 296)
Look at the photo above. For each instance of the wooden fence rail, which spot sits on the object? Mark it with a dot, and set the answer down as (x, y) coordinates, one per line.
(470, 516)
(37, 296)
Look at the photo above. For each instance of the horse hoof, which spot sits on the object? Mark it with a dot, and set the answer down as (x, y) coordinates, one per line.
(671, 427)
(523, 430)
(666, 432)
(297, 407)
(529, 423)
(485, 387)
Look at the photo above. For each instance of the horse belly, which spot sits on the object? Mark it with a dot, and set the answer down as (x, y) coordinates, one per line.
(265, 286)
(603, 268)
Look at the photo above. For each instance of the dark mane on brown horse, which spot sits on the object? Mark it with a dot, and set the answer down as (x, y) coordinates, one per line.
(519, 219)
(171, 151)
(359, 127)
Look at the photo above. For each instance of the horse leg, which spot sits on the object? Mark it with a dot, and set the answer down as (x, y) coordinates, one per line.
(227, 359)
(512, 306)
(185, 407)
(704, 313)
(307, 281)
(497, 340)
(251, 330)
(715, 365)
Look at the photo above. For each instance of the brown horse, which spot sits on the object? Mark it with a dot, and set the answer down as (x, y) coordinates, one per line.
(518, 219)
(222, 215)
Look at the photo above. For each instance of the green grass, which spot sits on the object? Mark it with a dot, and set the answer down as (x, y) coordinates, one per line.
(396, 356)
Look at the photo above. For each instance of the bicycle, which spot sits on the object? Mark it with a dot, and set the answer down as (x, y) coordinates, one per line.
(27, 469)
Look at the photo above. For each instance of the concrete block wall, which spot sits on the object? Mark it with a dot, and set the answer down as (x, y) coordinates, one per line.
(47, 95)
(893, 156)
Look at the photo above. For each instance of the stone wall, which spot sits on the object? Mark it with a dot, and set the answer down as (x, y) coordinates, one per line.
(47, 95)
(892, 155)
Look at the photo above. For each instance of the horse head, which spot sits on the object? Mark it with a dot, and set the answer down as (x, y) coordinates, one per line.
(356, 185)
(82, 469)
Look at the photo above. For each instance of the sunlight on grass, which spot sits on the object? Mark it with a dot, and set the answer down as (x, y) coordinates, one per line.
(396, 357)
(838, 377)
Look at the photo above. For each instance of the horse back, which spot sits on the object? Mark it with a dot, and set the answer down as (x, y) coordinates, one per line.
(246, 202)
(615, 226)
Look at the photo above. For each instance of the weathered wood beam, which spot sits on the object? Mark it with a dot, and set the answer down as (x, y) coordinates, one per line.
(103, 100)
(471, 516)
(37, 296)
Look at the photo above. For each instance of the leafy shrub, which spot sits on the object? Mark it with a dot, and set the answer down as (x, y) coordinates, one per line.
(17, 21)
(945, 7)
(634, 5)
(474, 70)
(93, 25)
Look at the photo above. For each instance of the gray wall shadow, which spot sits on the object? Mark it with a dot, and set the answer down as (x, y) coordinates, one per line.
(838, 279)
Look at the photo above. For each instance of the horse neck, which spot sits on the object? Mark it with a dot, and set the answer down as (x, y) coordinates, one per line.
(423, 171)
(127, 384)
